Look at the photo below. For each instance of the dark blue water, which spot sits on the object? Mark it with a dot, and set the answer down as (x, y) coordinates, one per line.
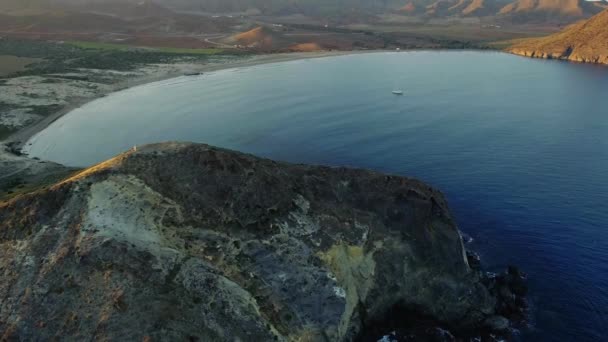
(519, 146)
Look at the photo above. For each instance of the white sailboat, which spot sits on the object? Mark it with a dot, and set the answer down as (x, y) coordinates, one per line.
(396, 91)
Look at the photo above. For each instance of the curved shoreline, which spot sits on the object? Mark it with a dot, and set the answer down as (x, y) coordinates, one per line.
(18, 139)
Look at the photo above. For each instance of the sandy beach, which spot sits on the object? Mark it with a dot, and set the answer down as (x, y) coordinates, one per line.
(59, 94)
(149, 74)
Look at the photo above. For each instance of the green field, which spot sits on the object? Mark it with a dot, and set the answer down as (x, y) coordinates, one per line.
(123, 47)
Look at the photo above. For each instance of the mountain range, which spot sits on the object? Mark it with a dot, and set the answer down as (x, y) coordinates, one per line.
(518, 10)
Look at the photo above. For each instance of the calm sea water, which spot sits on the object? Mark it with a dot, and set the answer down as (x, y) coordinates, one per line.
(519, 146)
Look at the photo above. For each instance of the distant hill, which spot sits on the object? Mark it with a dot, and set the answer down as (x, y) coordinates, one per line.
(74, 22)
(122, 8)
(449, 8)
(137, 9)
(264, 38)
(566, 7)
(258, 37)
(474, 6)
(586, 41)
(550, 10)
(60, 21)
(517, 11)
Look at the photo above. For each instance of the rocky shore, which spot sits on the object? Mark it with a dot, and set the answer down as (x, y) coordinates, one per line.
(561, 55)
(181, 241)
(585, 41)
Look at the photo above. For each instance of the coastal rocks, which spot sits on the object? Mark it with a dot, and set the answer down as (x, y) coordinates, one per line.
(585, 41)
(510, 289)
(497, 323)
(564, 55)
(190, 242)
(474, 260)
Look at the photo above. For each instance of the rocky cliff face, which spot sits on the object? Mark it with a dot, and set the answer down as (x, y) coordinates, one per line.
(190, 242)
(586, 41)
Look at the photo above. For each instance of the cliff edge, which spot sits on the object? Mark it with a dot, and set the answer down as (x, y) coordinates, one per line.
(180, 241)
(586, 41)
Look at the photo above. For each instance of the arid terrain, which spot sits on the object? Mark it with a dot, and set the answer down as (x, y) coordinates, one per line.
(207, 24)
(586, 41)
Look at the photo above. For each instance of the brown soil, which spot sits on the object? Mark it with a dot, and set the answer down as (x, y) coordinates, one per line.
(306, 47)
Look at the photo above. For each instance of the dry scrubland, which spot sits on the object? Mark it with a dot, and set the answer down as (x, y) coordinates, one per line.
(586, 41)
(11, 64)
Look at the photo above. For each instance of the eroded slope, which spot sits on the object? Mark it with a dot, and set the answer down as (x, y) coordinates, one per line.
(179, 241)
(586, 41)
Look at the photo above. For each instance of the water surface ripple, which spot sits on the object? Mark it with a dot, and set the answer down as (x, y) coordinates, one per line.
(519, 146)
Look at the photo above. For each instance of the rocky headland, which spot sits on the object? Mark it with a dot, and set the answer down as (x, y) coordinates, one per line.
(586, 41)
(181, 241)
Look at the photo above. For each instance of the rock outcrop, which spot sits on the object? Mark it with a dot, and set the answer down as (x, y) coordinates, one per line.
(190, 242)
(586, 41)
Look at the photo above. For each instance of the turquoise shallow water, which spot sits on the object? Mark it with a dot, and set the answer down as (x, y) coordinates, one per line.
(519, 146)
